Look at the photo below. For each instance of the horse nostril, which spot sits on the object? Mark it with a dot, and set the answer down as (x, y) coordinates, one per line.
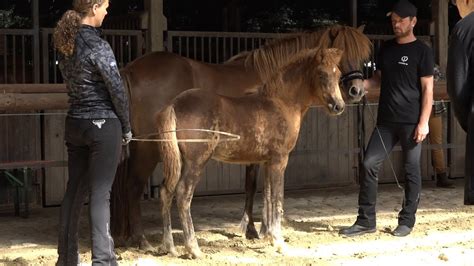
(353, 91)
(338, 108)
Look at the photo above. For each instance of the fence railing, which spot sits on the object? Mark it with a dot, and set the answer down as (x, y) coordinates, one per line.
(16, 56)
(126, 44)
(216, 47)
(17, 53)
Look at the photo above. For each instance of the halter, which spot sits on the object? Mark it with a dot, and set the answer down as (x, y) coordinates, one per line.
(356, 74)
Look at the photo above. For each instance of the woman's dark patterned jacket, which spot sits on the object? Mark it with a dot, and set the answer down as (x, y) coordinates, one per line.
(95, 87)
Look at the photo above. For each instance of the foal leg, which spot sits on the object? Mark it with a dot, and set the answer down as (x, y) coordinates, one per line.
(267, 205)
(166, 196)
(247, 225)
(274, 174)
(184, 195)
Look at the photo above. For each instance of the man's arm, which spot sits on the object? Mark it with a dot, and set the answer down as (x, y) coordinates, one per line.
(457, 79)
(374, 82)
(422, 129)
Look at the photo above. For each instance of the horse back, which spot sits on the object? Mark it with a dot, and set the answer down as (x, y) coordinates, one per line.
(154, 80)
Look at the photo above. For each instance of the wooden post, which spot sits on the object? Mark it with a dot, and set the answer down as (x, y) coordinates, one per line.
(353, 7)
(157, 24)
(231, 16)
(36, 40)
(441, 32)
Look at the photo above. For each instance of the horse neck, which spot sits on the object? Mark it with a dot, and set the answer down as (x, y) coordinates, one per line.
(293, 92)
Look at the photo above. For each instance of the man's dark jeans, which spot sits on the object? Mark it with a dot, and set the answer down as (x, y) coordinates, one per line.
(375, 154)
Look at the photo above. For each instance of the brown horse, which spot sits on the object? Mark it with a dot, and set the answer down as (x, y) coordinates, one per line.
(155, 79)
(268, 123)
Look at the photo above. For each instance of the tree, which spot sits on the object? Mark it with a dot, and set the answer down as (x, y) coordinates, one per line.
(9, 20)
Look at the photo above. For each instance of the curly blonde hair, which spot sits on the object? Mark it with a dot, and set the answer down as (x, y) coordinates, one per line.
(65, 32)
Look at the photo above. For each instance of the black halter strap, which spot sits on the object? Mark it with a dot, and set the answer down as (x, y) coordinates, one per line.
(356, 74)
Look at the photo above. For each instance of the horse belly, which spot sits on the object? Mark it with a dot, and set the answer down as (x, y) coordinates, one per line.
(241, 151)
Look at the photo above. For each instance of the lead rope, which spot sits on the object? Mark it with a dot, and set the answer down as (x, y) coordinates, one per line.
(389, 160)
(149, 137)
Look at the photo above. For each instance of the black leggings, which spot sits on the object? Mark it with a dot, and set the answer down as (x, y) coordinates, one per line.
(94, 148)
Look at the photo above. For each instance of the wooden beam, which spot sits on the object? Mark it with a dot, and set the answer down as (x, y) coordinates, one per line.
(32, 88)
(157, 24)
(27, 101)
(24, 102)
(441, 32)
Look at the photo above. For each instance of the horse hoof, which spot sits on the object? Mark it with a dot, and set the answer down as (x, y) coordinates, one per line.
(173, 252)
(251, 233)
(195, 253)
(168, 250)
(145, 245)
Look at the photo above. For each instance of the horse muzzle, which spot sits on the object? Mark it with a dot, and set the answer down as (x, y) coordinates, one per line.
(336, 108)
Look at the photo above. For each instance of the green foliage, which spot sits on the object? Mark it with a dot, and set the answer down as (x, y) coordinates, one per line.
(9, 20)
(286, 19)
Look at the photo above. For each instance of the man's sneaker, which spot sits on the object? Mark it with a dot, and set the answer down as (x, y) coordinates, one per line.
(401, 230)
(356, 230)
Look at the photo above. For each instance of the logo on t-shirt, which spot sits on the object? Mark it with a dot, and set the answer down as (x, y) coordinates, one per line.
(403, 60)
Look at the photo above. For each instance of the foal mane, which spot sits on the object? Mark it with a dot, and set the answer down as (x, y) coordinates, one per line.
(270, 57)
(303, 65)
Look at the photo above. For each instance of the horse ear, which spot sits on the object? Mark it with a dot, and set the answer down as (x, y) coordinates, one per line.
(361, 28)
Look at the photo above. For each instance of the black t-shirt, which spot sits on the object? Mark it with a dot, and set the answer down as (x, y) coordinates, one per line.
(402, 66)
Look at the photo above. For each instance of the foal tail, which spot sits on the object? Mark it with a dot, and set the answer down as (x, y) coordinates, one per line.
(169, 150)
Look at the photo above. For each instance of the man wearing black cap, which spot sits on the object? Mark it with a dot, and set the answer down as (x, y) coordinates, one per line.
(405, 78)
(460, 83)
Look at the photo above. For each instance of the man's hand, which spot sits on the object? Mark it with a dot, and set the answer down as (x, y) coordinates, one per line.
(126, 138)
(421, 131)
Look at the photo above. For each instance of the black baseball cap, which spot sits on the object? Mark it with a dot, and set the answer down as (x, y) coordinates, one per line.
(404, 9)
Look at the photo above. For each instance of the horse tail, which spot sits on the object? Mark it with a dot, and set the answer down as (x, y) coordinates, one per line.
(119, 197)
(169, 150)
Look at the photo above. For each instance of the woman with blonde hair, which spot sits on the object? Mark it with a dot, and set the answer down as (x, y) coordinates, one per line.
(96, 124)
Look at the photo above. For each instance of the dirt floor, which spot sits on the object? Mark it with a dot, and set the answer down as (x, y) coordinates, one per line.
(443, 235)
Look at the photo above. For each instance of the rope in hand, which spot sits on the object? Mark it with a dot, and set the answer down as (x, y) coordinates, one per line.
(388, 157)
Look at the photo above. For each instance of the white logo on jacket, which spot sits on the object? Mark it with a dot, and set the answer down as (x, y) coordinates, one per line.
(403, 60)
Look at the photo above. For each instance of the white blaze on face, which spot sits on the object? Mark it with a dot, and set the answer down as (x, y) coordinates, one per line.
(334, 70)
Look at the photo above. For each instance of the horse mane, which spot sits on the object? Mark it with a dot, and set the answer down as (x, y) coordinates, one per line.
(270, 57)
(302, 65)
(240, 56)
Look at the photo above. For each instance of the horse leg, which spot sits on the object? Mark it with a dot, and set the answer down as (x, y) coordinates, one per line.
(247, 224)
(166, 197)
(184, 196)
(126, 194)
(275, 175)
(172, 171)
(267, 206)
